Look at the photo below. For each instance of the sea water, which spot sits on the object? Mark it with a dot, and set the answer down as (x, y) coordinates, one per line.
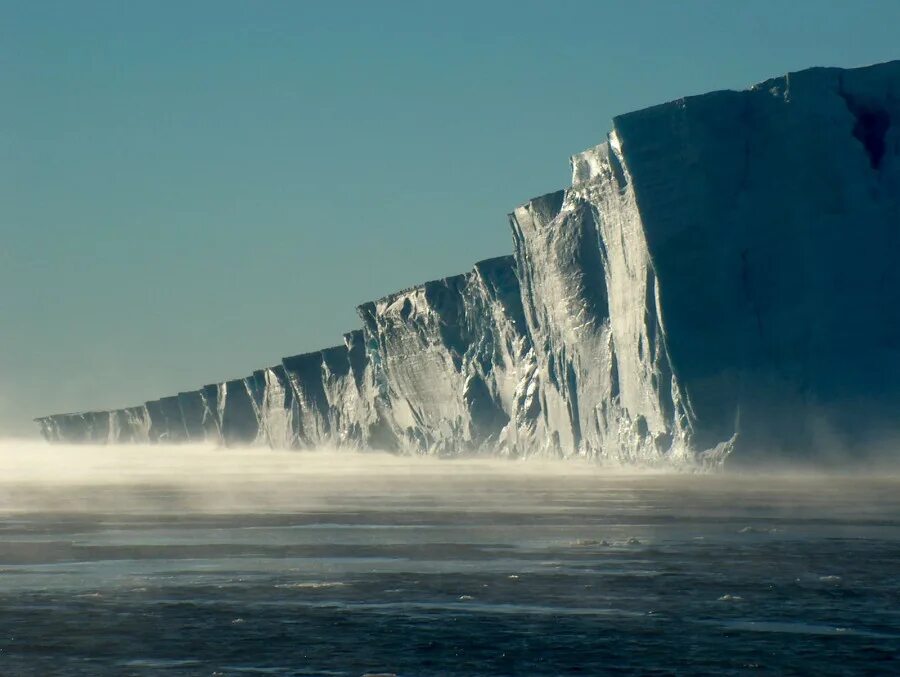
(202, 561)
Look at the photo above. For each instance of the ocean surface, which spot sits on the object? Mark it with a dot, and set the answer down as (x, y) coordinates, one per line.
(196, 561)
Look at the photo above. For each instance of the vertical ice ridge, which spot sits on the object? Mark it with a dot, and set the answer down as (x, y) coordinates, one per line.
(271, 399)
(446, 355)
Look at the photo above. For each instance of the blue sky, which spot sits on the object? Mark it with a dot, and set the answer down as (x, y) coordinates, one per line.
(191, 190)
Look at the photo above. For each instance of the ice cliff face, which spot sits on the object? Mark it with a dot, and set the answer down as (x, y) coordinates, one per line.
(592, 301)
(772, 220)
(719, 279)
(272, 401)
(447, 358)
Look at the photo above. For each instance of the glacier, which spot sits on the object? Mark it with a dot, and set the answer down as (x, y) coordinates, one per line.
(718, 282)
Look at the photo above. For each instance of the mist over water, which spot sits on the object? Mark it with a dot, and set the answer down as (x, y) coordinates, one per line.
(187, 560)
(35, 476)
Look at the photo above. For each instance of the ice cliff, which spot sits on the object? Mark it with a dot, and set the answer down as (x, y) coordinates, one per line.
(719, 279)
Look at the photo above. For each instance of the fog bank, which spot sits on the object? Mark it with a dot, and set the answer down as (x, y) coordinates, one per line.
(184, 479)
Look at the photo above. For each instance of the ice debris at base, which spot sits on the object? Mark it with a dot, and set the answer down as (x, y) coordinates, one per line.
(719, 281)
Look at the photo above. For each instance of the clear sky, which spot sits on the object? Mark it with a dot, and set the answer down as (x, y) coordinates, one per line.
(191, 190)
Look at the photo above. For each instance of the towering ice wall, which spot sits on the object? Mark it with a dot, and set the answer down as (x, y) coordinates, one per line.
(772, 220)
(592, 305)
(719, 279)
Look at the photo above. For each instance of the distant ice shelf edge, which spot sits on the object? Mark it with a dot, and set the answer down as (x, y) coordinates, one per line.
(719, 282)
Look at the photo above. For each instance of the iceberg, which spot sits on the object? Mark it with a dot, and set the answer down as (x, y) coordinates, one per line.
(718, 282)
